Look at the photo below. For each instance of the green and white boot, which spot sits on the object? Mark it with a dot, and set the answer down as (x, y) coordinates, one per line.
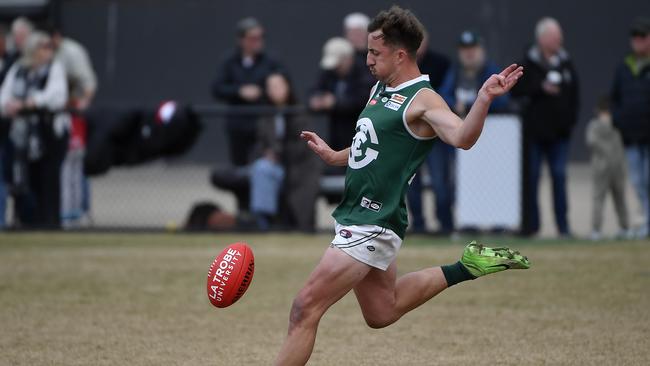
(481, 260)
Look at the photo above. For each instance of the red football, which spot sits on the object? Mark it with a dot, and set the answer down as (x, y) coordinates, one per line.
(230, 274)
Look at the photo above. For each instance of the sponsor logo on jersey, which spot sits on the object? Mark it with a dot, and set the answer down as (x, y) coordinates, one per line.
(392, 105)
(345, 233)
(370, 248)
(384, 100)
(370, 204)
(398, 98)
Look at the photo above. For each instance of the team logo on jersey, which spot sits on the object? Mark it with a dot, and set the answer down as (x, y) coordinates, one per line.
(384, 100)
(373, 102)
(361, 152)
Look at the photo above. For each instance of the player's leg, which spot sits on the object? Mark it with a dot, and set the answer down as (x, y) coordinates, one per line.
(384, 300)
(335, 275)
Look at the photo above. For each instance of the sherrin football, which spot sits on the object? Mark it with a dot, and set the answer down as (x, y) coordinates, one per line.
(230, 274)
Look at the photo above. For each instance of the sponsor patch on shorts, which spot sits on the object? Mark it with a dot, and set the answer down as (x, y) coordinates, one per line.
(345, 233)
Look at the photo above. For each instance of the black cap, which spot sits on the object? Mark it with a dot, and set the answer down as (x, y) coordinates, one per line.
(247, 24)
(468, 39)
(640, 26)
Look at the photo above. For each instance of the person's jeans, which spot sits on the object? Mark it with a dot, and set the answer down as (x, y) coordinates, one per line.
(638, 161)
(440, 163)
(556, 154)
(3, 189)
(266, 183)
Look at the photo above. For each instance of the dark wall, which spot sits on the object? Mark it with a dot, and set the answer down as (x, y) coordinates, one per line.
(145, 51)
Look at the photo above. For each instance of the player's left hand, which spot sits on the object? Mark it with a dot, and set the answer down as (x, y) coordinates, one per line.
(499, 84)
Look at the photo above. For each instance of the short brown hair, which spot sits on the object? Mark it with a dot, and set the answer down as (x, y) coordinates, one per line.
(400, 28)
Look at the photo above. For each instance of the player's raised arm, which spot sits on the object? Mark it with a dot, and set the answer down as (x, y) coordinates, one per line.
(322, 149)
(464, 134)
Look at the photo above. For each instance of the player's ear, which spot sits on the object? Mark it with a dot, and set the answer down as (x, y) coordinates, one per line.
(402, 55)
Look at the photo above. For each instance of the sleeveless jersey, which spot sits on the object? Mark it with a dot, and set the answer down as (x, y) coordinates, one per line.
(384, 156)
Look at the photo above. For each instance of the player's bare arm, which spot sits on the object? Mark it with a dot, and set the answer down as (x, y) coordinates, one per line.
(429, 115)
(322, 149)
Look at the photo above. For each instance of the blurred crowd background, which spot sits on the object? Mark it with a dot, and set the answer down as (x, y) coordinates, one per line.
(203, 101)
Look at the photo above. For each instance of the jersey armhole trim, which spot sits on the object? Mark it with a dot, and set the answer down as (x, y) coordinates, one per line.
(406, 126)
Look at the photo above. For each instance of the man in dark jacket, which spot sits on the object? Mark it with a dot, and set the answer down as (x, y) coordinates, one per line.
(438, 161)
(240, 81)
(631, 111)
(549, 95)
(340, 91)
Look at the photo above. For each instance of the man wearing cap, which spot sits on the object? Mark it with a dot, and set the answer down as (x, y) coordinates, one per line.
(631, 111)
(459, 89)
(340, 91)
(240, 81)
(548, 94)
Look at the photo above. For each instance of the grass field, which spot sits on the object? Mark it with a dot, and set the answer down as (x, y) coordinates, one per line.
(139, 299)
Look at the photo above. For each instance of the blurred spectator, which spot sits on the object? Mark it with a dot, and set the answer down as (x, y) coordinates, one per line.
(465, 77)
(284, 155)
(6, 60)
(33, 95)
(355, 28)
(21, 28)
(240, 81)
(6, 57)
(282, 183)
(549, 92)
(459, 88)
(340, 91)
(82, 81)
(435, 65)
(631, 112)
(82, 85)
(432, 63)
(608, 169)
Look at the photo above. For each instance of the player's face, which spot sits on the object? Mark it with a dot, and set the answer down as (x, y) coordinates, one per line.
(381, 59)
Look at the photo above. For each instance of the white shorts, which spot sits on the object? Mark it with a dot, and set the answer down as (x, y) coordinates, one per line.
(370, 244)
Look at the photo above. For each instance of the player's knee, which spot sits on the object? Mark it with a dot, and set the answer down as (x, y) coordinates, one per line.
(378, 322)
(302, 310)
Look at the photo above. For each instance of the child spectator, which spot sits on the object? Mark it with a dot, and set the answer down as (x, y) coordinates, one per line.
(608, 164)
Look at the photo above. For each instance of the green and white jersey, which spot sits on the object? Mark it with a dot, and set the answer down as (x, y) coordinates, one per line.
(384, 156)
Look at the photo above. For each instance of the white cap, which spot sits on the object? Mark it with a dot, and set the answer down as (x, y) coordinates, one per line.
(334, 51)
(356, 20)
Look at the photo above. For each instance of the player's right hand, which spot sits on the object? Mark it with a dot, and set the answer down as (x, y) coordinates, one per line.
(320, 147)
(324, 151)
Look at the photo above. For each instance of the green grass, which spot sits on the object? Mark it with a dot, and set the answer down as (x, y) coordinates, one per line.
(139, 299)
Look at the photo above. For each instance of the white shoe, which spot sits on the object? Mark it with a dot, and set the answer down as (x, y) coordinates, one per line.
(595, 236)
(625, 234)
(642, 232)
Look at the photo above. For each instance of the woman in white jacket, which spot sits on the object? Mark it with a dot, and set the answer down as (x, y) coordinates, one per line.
(33, 96)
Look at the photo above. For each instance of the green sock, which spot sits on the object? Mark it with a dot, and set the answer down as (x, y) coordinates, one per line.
(456, 273)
